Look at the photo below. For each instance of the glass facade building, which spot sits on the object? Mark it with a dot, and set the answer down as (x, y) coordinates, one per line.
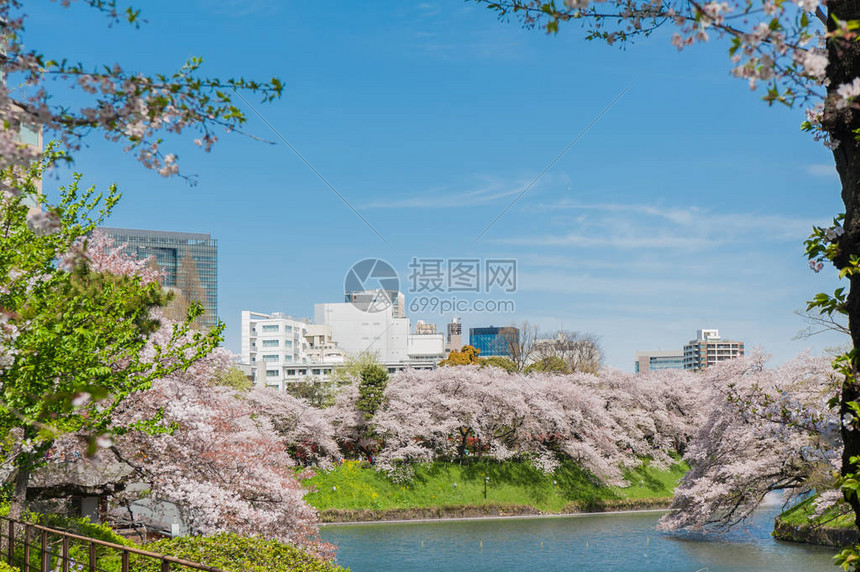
(494, 341)
(652, 361)
(189, 262)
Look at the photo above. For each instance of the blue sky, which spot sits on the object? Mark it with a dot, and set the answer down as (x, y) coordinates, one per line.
(684, 207)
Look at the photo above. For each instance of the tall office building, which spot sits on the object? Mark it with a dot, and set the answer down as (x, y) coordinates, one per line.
(494, 341)
(189, 262)
(455, 336)
(652, 361)
(709, 349)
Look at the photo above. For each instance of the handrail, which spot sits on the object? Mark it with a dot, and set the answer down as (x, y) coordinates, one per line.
(66, 536)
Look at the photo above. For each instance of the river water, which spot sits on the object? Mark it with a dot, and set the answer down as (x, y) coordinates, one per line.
(594, 542)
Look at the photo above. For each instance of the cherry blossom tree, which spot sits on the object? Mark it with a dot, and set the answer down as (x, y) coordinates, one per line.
(75, 339)
(606, 422)
(130, 108)
(805, 52)
(351, 428)
(226, 458)
(223, 457)
(767, 429)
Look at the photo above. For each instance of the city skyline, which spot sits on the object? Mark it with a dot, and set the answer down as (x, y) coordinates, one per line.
(659, 220)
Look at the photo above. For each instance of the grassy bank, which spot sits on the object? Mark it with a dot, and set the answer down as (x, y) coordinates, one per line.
(512, 488)
(834, 527)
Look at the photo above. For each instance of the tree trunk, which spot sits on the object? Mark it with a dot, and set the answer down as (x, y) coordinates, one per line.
(844, 66)
(461, 447)
(18, 503)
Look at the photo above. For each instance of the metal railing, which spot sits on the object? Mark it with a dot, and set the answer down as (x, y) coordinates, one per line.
(36, 548)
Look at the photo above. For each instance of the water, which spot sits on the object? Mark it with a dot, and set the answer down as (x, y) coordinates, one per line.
(598, 542)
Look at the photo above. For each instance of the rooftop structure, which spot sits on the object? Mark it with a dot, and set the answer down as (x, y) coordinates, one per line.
(373, 301)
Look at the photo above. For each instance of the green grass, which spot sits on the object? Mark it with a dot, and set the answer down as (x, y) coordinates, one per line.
(358, 486)
(837, 516)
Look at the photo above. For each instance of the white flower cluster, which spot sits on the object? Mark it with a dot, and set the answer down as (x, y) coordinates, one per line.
(824, 501)
(847, 92)
(813, 62)
(8, 333)
(834, 232)
(43, 222)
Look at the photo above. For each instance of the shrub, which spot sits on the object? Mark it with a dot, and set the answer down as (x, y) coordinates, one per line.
(234, 553)
(108, 559)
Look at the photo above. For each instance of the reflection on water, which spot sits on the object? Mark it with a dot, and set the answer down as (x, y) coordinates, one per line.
(611, 542)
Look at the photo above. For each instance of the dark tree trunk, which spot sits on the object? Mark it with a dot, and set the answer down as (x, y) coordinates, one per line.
(18, 502)
(461, 447)
(844, 56)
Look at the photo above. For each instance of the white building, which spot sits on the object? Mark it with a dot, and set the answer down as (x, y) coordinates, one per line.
(321, 346)
(381, 334)
(709, 349)
(281, 349)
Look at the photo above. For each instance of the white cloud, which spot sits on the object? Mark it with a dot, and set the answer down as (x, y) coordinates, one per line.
(488, 191)
(821, 170)
(648, 227)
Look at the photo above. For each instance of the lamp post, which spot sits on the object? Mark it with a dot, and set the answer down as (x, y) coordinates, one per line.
(485, 487)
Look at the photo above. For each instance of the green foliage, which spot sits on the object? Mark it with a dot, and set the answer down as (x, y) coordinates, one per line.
(108, 559)
(802, 514)
(80, 332)
(322, 393)
(371, 389)
(79, 552)
(358, 486)
(501, 362)
(350, 371)
(234, 379)
(551, 364)
(6, 568)
(234, 553)
(229, 552)
(80, 525)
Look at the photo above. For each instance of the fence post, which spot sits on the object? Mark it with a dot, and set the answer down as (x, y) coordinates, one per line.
(93, 557)
(125, 561)
(65, 554)
(165, 566)
(26, 547)
(11, 559)
(44, 551)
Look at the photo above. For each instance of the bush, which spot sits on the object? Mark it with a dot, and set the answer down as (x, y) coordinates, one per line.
(6, 568)
(234, 553)
(79, 552)
(81, 526)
